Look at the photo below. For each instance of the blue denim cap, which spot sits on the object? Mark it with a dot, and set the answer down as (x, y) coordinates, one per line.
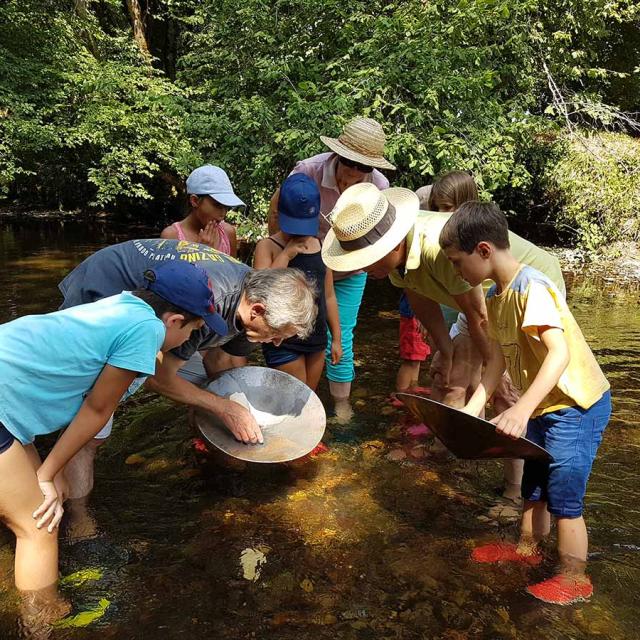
(187, 286)
(299, 206)
(213, 181)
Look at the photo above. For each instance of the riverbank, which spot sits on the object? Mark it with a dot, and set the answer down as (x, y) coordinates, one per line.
(616, 264)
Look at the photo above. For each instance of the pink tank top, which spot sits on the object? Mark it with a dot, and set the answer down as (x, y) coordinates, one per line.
(224, 245)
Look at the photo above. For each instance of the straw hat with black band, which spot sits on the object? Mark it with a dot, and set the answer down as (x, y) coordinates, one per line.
(367, 224)
(362, 140)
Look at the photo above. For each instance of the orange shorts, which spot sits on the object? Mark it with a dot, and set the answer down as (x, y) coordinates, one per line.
(412, 344)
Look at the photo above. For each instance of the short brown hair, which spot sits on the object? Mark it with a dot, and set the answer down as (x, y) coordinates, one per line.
(452, 189)
(475, 222)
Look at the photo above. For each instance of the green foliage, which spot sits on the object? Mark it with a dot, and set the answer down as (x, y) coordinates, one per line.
(84, 119)
(458, 84)
(594, 187)
(464, 84)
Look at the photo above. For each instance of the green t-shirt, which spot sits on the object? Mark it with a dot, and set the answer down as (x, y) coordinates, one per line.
(429, 273)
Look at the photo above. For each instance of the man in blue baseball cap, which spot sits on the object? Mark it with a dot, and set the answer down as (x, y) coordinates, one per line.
(256, 307)
(69, 370)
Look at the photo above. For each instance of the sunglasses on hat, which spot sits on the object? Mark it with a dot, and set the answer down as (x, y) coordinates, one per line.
(352, 164)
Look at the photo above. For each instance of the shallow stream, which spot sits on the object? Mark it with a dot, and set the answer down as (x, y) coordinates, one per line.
(352, 543)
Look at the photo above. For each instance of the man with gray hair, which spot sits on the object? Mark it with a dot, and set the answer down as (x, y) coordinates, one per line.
(258, 306)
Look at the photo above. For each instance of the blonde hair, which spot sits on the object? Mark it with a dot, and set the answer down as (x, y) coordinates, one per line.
(452, 189)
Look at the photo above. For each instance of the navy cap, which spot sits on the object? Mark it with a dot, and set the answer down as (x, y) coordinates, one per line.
(187, 286)
(299, 206)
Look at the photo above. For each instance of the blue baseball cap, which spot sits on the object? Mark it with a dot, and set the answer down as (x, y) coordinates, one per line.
(187, 286)
(299, 206)
(213, 181)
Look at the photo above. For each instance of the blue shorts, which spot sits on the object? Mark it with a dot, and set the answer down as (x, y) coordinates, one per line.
(6, 438)
(277, 356)
(572, 436)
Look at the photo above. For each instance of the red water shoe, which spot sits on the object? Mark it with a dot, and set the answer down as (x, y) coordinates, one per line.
(503, 552)
(420, 391)
(321, 447)
(199, 445)
(562, 589)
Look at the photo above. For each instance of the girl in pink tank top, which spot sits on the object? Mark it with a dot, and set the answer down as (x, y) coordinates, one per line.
(205, 224)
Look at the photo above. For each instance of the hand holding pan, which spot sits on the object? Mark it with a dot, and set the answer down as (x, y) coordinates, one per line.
(468, 437)
(290, 415)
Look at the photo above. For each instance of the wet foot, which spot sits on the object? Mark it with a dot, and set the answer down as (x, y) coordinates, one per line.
(343, 411)
(418, 430)
(512, 492)
(40, 609)
(504, 552)
(562, 589)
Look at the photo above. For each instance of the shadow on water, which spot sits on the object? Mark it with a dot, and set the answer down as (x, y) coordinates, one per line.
(347, 544)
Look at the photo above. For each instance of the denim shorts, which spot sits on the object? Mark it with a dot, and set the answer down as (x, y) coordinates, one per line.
(6, 438)
(572, 436)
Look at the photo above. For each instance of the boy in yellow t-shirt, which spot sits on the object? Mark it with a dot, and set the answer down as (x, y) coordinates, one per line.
(565, 402)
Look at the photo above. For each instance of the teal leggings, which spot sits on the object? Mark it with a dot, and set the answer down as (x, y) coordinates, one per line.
(349, 296)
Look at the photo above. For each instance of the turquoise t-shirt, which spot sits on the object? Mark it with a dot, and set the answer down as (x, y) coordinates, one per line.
(48, 363)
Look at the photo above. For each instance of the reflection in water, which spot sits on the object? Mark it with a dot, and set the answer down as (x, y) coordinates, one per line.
(347, 544)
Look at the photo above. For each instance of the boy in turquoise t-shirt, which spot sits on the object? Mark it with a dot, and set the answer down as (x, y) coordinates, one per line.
(564, 403)
(68, 370)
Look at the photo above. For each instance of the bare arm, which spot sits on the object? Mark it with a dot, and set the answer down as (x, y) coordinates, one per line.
(169, 233)
(333, 318)
(233, 238)
(430, 316)
(272, 220)
(473, 306)
(263, 256)
(490, 379)
(513, 421)
(92, 416)
(235, 417)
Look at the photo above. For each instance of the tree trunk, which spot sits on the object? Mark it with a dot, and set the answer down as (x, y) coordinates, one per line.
(135, 14)
(82, 11)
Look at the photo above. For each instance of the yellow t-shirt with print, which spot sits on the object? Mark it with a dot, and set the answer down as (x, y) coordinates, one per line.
(531, 301)
(429, 273)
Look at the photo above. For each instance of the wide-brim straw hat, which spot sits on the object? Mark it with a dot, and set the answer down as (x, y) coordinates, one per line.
(367, 224)
(362, 140)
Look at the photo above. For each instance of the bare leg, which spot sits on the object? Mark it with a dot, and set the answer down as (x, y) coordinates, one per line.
(534, 526)
(340, 392)
(467, 363)
(408, 375)
(573, 543)
(296, 368)
(36, 561)
(505, 396)
(79, 470)
(314, 364)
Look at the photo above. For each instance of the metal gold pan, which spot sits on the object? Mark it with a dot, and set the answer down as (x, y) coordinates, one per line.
(469, 437)
(290, 415)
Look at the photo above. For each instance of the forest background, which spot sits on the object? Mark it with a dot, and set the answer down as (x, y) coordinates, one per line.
(109, 104)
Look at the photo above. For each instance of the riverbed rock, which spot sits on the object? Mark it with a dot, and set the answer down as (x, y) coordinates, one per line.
(396, 455)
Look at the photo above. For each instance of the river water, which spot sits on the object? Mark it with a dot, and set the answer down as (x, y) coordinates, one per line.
(348, 544)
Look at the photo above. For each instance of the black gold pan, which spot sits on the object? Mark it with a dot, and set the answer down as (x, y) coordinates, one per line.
(468, 437)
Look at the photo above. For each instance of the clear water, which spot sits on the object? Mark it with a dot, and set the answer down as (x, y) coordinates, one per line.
(355, 545)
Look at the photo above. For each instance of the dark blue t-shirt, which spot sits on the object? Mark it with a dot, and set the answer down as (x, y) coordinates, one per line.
(121, 267)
